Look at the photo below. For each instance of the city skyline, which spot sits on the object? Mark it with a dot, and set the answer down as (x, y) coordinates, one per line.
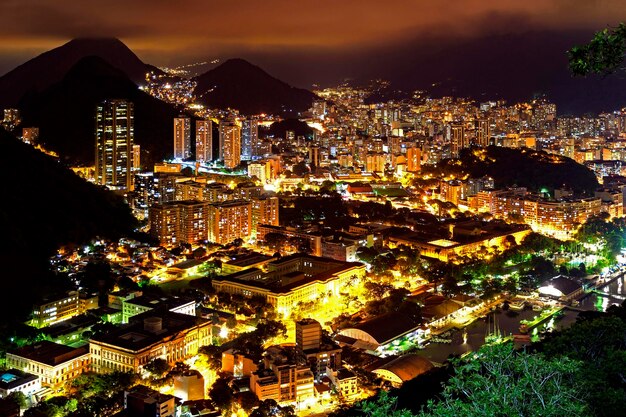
(446, 209)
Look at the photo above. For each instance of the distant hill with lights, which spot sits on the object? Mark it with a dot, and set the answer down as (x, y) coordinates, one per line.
(238, 84)
(522, 167)
(65, 112)
(50, 67)
(47, 206)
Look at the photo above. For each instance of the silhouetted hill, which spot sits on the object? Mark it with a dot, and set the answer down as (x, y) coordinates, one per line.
(65, 112)
(522, 167)
(50, 67)
(240, 85)
(300, 128)
(46, 206)
(514, 67)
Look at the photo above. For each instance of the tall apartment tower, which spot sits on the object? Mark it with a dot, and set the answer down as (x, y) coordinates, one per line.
(230, 143)
(482, 132)
(457, 139)
(204, 141)
(308, 335)
(229, 221)
(115, 135)
(249, 139)
(182, 138)
(413, 159)
(264, 211)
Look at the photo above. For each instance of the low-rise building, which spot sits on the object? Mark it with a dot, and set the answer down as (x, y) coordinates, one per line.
(146, 402)
(282, 379)
(144, 303)
(53, 363)
(14, 380)
(403, 369)
(292, 280)
(154, 334)
(54, 309)
(344, 381)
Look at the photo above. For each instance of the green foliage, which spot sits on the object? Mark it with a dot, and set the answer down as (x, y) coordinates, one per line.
(18, 398)
(212, 355)
(222, 394)
(270, 408)
(157, 367)
(498, 381)
(600, 342)
(604, 54)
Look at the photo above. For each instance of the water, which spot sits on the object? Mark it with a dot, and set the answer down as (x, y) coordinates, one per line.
(598, 302)
(509, 322)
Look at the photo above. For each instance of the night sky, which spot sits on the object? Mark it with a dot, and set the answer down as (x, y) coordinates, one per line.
(304, 41)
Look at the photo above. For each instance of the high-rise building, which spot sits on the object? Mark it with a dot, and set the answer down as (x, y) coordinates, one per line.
(230, 143)
(482, 132)
(314, 156)
(264, 211)
(182, 138)
(204, 141)
(457, 139)
(249, 139)
(136, 158)
(230, 221)
(114, 144)
(177, 222)
(413, 159)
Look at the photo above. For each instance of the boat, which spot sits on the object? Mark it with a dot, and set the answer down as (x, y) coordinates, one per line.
(517, 305)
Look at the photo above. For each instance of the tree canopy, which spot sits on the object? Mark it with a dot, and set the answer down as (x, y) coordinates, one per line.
(604, 54)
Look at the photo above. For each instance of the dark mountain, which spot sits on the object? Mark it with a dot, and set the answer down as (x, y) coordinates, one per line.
(65, 112)
(50, 67)
(523, 167)
(514, 67)
(240, 85)
(47, 206)
(299, 128)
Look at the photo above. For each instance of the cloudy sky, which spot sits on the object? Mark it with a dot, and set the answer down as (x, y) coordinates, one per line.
(171, 32)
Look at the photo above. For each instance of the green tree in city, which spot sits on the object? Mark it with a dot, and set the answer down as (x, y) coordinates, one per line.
(604, 54)
(157, 367)
(222, 394)
(18, 398)
(500, 382)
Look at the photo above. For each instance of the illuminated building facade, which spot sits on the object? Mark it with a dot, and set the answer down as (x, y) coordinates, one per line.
(177, 222)
(182, 138)
(302, 277)
(264, 211)
(413, 159)
(482, 132)
(229, 221)
(250, 139)
(56, 365)
(457, 139)
(56, 309)
(230, 143)
(204, 141)
(115, 135)
(136, 158)
(172, 337)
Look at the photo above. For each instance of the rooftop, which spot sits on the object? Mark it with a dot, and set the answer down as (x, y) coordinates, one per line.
(50, 353)
(133, 336)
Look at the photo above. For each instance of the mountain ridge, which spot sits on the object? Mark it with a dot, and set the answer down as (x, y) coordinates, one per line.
(241, 85)
(48, 68)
